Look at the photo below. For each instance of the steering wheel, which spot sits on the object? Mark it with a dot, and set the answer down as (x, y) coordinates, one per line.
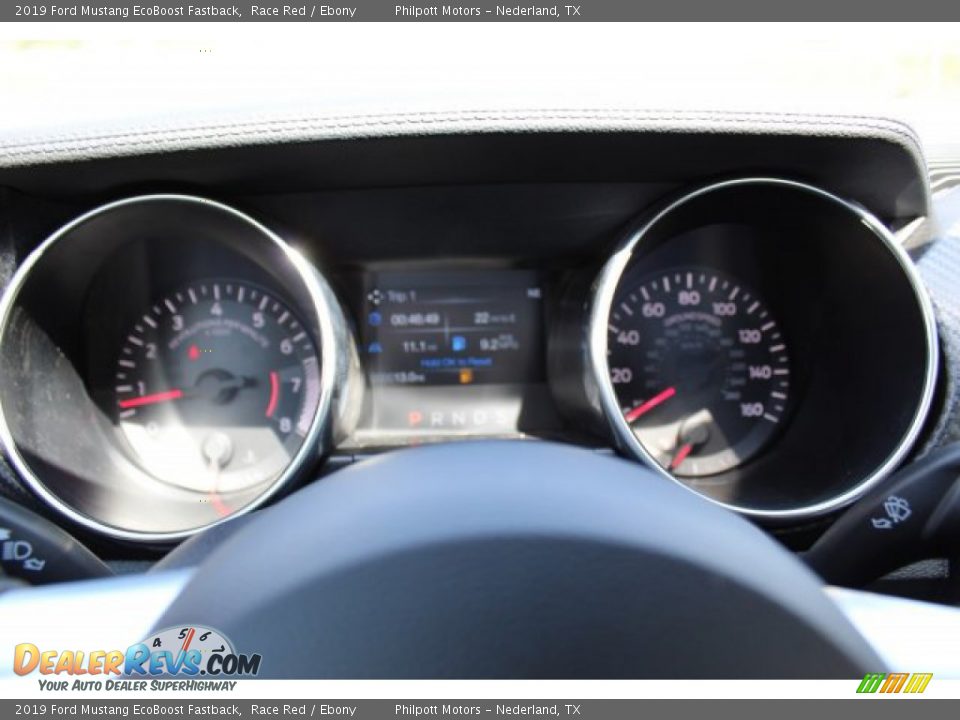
(513, 560)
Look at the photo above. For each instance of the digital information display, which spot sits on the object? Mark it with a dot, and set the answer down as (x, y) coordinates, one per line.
(452, 352)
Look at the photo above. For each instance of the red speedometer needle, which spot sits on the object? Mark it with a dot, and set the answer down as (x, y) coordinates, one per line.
(681, 456)
(151, 399)
(650, 404)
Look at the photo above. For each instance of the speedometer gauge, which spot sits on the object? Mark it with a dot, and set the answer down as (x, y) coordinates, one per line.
(216, 387)
(699, 367)
(738, 338)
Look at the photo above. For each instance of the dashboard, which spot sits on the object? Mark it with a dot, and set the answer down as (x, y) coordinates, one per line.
(171, 360)
(457, 367)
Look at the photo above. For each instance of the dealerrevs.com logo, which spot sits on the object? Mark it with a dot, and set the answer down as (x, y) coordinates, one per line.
(178, 655)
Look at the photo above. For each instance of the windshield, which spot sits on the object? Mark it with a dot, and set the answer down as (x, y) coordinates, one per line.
(51, 74)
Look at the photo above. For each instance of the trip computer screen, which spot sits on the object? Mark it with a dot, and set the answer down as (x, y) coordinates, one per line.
(451, 353)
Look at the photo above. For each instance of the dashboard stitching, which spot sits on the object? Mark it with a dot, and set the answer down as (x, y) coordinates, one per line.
(55, 144)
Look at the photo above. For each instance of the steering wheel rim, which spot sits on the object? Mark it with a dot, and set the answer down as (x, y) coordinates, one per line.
(505, 559)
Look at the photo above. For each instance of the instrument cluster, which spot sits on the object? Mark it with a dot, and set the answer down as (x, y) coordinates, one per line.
(171, 362)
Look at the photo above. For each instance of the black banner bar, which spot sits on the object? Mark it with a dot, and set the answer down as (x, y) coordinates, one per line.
(477, 11)
(874, 708)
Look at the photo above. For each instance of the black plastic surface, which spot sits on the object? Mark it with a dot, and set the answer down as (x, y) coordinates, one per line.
(37, 551)
(861, 164)
(914, 515)
(514, 559)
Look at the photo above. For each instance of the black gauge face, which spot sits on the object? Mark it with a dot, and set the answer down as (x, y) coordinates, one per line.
(216, 388)
(699, 367)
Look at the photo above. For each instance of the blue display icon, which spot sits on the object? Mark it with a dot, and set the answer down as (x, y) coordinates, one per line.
(458, 343)
(375, 348)
(375, 319)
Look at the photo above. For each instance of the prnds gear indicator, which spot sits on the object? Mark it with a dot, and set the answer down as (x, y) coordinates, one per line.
(700, 369)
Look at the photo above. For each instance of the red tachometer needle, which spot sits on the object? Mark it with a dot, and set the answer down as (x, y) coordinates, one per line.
(681, 456)
(650, 404)
(274, 393)
(151, 399)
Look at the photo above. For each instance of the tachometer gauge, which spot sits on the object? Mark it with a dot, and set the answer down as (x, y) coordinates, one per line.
(216, 387)
(699, 367)
(172, 363)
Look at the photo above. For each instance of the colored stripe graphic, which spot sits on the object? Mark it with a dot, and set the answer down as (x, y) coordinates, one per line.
(871, 682)
(918, 682)
(894, 683)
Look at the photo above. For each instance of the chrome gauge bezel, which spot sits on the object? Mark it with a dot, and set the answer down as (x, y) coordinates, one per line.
(336, 365)
(602, 396)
